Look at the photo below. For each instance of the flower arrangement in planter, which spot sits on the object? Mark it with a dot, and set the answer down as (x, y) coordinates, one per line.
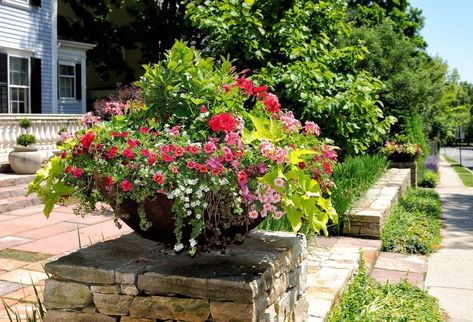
(400, 151)
(201, 157)
(25, 157)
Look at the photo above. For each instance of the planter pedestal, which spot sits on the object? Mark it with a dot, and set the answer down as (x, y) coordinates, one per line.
(263, 279)
(407, 165)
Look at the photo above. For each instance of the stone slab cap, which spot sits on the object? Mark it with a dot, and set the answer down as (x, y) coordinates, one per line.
(97, 264)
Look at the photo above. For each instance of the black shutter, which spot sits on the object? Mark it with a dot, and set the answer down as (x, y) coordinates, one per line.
(35, 85)
(36, 3)
(78, 82)
(3, 83)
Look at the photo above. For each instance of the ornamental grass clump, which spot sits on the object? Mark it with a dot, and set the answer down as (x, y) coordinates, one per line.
(205, 141)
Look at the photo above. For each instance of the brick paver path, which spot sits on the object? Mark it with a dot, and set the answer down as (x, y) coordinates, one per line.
(27, 230)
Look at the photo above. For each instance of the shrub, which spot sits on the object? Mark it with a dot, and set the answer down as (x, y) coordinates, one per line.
(368, 300)
(430, 180)
(431, 163)
(24, 123)
(423, 200)
(413, 226)
(353, 177)
(25, 139)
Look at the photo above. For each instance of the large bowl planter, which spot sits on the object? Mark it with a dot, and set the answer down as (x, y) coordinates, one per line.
(222, 227)
(25, 159)
(402, 157)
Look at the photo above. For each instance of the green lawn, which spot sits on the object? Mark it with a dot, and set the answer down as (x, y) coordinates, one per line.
(465, 175)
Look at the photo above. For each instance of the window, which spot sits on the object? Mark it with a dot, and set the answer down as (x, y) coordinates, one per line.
(66, 81)
(19, 84)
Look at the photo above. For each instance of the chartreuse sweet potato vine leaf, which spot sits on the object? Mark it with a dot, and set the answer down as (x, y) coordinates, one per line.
(47, 185)
(303, 198)
(265, 129)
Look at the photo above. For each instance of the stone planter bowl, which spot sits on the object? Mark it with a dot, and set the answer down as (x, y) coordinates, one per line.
(25, 159)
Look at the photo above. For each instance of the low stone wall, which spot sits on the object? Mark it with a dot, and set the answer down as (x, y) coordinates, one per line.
(367, 217)
(407, 165)
(134, 279)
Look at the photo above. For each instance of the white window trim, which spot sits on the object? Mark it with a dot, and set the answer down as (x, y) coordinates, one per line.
(28, 106)
(67, 63)
(22, 4)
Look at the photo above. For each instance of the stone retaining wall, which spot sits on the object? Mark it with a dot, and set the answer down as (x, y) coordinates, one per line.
(133, 279)
(367, 217)
(407, 165)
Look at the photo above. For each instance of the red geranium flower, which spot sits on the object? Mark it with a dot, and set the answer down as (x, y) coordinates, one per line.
(128, 153)
(69, 169)
(203, 109)
(327, 167)
(87, 139)
(145, 153)
(152, 158)
(158, 178)
(301, 165)
(203, 168)
(223, 122)
(272, 103)
(242, 177)
(144, 130)
(179, 151)
(112, 152)
(191, 165)
(77, 173)
(126, 185)
(109, 181)
(167, 158)
(133, 143)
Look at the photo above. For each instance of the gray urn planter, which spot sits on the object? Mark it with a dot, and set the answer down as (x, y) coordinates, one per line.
(25, 160)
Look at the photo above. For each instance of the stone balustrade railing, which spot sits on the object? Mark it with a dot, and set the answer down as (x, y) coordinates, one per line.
(45, 127)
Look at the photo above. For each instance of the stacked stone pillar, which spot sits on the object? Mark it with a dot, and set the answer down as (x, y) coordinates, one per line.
(134, 279)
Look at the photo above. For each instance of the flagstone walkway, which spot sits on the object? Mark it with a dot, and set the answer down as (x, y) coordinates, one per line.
(28, 240)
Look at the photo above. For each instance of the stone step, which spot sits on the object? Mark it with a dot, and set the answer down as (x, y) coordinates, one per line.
(13, 191)
(333, 262)
(14, 203)
(12, 179)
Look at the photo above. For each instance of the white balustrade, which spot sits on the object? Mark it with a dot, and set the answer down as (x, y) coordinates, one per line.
(44, 127)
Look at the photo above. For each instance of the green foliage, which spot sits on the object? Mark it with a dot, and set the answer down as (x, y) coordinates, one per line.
(430, 180)
(24, 123)
(413, 81)
(413, 227)
(368, 300)
(353, 177)
(407, 20)
(25, 139)
(297, 53)
(182, 83)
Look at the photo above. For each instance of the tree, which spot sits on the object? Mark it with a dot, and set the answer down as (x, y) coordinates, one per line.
(294, 46)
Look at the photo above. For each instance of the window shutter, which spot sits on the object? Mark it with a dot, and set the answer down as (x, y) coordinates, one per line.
(36, 3)
(35, 85)
(3, 83)
(78, 82)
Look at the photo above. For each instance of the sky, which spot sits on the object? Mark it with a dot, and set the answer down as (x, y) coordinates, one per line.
(448, 31)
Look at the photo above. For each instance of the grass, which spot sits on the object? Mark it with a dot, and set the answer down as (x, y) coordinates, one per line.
(368, 300)
(413, 226)
(24, 256)
(353, 178)
(465, 175)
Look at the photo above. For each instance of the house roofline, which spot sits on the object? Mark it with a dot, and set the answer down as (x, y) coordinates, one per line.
(75, 44)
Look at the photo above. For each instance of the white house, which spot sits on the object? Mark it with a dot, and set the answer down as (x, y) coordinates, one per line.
(39, 73)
